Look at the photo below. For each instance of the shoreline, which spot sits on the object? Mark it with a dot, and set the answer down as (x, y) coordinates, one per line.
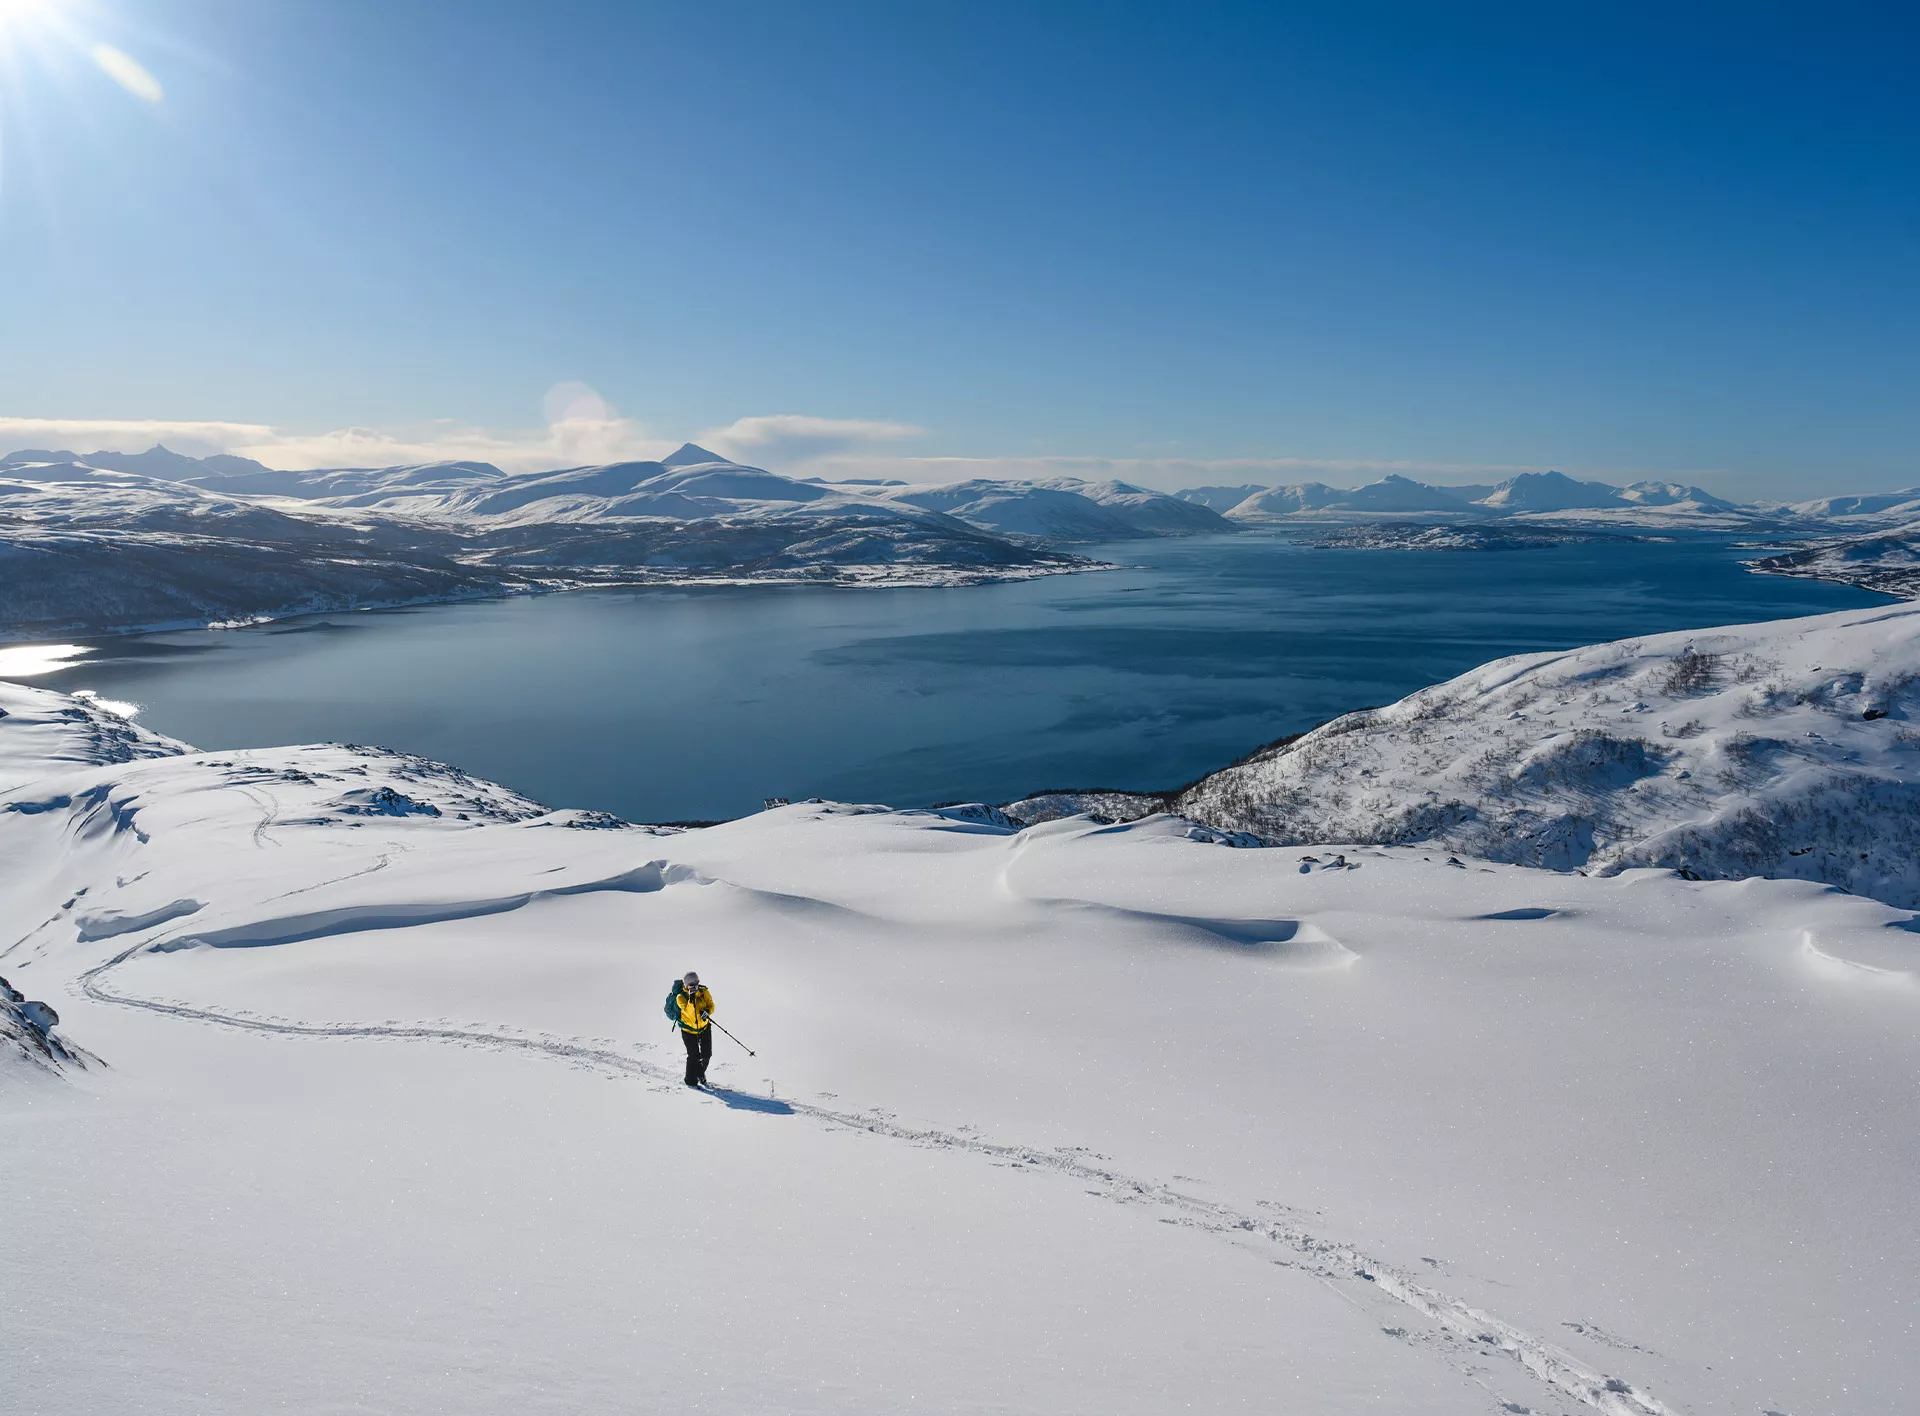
(842, 578)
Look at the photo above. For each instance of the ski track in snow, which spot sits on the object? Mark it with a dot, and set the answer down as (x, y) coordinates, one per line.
(1463, 1334)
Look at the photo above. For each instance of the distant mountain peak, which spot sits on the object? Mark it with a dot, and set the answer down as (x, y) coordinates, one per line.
(1552, 491)
(691, 454)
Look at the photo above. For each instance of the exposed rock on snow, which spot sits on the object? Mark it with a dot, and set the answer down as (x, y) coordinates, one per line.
(1786, 749)
(1101, 805)
(28, 1038)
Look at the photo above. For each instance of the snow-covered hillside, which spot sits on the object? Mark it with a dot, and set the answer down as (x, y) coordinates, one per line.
(1882, 510)
(85, 549)
(1888, 562)
(1075, 1119)
(1784, 749)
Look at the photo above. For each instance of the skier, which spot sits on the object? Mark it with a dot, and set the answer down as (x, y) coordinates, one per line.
(691, 1006)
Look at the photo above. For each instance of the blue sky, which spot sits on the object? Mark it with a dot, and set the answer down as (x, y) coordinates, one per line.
(1184, 242)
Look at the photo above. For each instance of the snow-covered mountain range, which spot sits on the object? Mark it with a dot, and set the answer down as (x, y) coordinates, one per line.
(349, 1087)
(694, 484)
(115, 541)
(154, 539)
(1787, 749)
(1551, 496)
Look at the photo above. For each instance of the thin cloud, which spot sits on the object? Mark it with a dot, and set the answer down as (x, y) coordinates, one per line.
(584, 430)
(194, 437)
(788, 438)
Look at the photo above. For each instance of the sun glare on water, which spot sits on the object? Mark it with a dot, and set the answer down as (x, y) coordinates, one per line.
(18, 661)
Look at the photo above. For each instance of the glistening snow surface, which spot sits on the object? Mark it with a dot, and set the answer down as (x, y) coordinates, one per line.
(1072, 1119)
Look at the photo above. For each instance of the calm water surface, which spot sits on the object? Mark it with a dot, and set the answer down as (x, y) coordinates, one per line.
(675, 704)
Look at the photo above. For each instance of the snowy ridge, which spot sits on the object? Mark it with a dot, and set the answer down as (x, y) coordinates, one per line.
(1786, 749)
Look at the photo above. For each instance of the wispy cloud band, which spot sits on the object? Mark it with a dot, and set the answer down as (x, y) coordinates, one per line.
(583, 429)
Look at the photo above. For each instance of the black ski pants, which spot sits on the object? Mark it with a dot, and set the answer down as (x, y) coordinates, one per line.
(699, 1053)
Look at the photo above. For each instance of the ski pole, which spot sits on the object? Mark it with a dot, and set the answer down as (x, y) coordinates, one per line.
(750, 1051)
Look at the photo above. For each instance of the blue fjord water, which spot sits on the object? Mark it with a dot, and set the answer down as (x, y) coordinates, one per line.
(679, 704)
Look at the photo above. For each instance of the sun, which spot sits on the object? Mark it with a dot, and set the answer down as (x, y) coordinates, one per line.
(21, 20)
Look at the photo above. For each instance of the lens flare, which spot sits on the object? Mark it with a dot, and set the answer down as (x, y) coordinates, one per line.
(127, 72)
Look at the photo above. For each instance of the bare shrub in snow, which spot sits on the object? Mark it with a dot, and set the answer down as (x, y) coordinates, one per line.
(1690, 672)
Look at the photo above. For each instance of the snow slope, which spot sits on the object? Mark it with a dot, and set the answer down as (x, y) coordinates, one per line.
(1071, 1119)
(1783, 749)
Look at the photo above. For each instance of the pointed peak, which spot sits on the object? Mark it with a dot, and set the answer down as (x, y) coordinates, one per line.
(691, 454)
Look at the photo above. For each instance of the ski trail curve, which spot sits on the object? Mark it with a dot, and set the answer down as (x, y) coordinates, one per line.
(1465, 1332)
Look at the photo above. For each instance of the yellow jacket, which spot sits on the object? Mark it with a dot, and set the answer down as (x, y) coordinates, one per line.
(690, 1010)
